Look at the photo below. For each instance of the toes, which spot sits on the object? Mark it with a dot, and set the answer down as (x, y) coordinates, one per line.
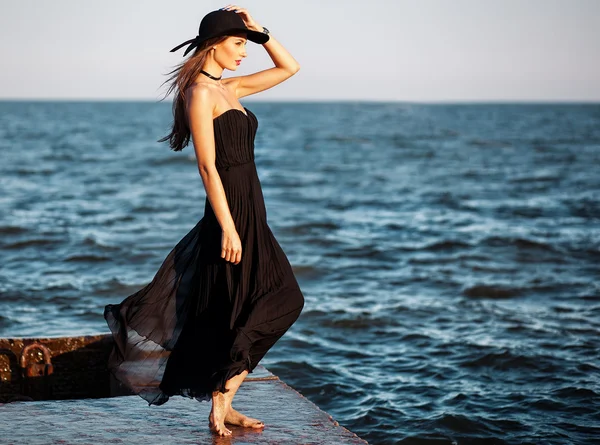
(225, 432)
(253, 423)
(221, 431)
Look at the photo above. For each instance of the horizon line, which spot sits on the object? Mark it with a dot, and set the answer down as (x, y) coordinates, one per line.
(291, 100)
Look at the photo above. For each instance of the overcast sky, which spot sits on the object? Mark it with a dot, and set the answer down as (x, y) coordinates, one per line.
(417, 50)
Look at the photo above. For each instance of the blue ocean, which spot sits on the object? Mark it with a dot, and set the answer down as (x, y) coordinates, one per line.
(449, 253)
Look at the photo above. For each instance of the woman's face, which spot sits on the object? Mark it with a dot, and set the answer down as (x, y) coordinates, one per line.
(231, 51)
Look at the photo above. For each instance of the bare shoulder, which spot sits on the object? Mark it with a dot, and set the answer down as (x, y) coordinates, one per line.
(200, 103)
(198, 92)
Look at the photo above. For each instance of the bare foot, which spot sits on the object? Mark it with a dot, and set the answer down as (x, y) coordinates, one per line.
(217, 415)
(234, 417)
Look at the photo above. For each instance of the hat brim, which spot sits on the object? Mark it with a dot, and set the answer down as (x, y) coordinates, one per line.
(254, 36)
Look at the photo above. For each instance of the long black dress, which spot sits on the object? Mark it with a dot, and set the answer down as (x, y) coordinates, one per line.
(202, 319)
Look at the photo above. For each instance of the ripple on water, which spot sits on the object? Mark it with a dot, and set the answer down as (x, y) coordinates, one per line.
(448, 253)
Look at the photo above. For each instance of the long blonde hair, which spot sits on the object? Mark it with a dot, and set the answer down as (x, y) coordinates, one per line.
(182, 77)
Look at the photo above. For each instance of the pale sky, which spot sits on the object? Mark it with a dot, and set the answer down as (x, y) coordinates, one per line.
(395, 50)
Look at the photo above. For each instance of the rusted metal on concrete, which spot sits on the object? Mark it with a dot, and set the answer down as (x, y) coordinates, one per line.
(89, 405)
(78, 368)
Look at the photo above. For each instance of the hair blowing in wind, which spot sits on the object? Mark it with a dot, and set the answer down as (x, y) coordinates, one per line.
(182, 77)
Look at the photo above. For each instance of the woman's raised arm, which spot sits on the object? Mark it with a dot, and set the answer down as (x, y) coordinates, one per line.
(285, 64)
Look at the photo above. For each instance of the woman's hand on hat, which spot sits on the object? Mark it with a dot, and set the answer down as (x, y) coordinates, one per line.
(245, 15)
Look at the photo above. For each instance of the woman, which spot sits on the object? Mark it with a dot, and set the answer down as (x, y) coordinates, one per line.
(226, 292)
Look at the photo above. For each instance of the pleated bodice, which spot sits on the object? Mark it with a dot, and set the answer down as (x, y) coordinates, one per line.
(234, 134)
(234, 138)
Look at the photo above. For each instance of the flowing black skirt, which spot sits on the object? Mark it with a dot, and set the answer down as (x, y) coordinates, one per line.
(202, 320)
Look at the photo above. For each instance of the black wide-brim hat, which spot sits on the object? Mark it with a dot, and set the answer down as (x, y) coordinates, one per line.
(221, 23)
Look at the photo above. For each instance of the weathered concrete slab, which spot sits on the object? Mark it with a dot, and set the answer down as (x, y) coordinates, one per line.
(81, 403)
(289, 418)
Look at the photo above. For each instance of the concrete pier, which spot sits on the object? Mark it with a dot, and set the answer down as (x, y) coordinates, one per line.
(289, 417)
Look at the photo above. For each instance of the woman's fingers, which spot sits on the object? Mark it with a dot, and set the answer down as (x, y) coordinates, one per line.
(226, 253)
(232, 255)
(236, 8)
(243, 13)
(231, 247)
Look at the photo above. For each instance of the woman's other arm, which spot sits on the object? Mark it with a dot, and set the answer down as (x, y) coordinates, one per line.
(200, 112)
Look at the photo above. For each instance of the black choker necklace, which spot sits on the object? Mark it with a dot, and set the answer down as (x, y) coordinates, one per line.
(212, 77)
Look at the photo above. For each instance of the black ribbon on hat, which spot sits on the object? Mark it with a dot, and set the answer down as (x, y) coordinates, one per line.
(194, 43)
